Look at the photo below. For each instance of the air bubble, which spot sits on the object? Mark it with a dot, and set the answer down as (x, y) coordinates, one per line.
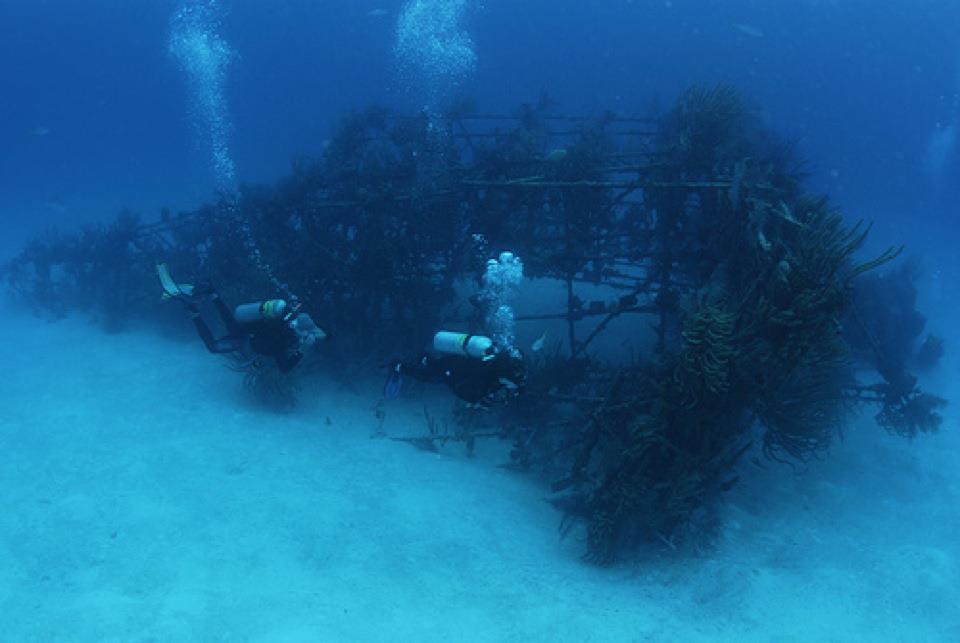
(434, 52)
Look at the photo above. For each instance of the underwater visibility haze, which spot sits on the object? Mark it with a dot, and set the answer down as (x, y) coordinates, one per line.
(473, 320)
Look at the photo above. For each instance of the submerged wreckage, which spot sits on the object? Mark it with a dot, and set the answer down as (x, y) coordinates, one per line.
(748, 291)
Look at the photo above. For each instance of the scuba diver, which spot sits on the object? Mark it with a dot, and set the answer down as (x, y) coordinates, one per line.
(271, 328)
(470, 365)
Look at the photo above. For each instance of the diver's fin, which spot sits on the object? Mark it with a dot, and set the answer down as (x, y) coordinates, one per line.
(394, 383)
(171, 289)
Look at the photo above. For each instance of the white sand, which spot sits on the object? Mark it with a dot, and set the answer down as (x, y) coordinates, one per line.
(145, 499)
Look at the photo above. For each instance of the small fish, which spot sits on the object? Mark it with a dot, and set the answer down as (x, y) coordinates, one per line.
(537, 346)
(377, 13)
(748, 30)
(38, 131)
(556, 155)
(56, 205)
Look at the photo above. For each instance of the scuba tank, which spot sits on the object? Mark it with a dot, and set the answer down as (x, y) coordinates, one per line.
(260, 311)
(476, 346)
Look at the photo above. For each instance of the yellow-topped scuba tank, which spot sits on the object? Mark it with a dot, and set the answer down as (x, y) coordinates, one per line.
(260, 311)
(465, 344)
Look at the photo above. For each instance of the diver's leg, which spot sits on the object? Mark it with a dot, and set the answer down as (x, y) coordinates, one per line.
(229, 321)
(287, 360)
(426, 369)
(203, 330)
(228, 344)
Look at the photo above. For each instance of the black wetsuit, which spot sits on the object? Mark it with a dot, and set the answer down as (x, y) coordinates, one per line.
(472, 380)
(269, 337)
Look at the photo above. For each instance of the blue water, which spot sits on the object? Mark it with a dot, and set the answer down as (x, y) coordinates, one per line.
(146, 501)
(862, 85)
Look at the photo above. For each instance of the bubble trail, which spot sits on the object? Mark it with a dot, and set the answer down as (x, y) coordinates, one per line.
(501, 279)
(434, 52)
(204, 55)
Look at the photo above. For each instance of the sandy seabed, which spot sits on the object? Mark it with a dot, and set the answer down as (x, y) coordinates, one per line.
(146, 499)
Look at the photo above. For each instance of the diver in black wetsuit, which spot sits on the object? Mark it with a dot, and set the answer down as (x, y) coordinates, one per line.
(468, 364)
(271, 328)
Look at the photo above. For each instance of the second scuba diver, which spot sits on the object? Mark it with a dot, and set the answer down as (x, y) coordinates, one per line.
(273, 328)
(470, 365)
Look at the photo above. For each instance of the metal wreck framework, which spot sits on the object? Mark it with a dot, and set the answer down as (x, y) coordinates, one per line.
(697, 221)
